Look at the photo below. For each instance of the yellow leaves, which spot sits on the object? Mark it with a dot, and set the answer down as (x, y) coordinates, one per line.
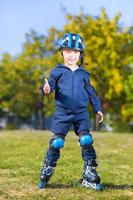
(115, 84)
(93, 82)
(94, 42)
(127, 112)
(123, 110)
(103, 14)
(69, 17)
(100, 41)
(118, 88)
(113, 55)
(4, 105)
(116, 75)
(114, 58)
(107, 48)
(109, 93)
(109, 40)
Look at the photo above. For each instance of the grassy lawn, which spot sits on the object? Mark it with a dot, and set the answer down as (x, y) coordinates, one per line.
(22, 152)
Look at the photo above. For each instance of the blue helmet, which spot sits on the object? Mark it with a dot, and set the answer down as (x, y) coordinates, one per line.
(72, 41)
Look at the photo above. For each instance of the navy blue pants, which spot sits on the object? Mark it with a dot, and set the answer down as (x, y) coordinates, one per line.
(63, 120)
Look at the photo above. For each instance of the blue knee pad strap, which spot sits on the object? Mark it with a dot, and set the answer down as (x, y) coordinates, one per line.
(57, 143)
(86, 140)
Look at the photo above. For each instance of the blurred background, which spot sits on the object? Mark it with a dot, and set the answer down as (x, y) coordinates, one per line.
(29, 31)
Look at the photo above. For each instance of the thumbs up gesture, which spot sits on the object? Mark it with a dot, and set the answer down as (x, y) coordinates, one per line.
(46, 87)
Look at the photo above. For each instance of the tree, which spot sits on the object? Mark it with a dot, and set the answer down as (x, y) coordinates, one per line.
(108, 48)
(108, 56)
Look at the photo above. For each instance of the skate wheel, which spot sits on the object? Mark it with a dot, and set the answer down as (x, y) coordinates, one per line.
(99, 187)
(42, 184)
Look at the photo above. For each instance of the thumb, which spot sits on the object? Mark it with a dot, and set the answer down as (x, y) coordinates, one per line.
(46, 81)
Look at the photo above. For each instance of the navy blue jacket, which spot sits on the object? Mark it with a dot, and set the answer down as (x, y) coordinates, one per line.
(73, 90)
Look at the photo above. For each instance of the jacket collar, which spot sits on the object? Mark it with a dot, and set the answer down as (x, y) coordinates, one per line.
(81, 68)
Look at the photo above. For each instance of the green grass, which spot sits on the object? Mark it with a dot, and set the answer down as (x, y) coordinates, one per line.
(21, 156)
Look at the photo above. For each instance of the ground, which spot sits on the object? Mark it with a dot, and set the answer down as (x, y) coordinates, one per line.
(22, 152)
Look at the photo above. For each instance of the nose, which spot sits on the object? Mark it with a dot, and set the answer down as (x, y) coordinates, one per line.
(72, 53)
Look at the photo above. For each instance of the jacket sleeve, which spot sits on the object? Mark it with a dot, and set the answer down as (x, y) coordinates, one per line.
(53, 77)
(94, 100)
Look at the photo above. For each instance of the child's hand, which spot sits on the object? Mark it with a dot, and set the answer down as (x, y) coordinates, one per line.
(46, 87)
(99, 116)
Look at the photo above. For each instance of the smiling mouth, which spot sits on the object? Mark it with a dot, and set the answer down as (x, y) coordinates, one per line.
(71, 60)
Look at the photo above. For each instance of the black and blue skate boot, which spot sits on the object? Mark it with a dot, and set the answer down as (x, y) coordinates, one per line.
(46, 172)
(90, 177)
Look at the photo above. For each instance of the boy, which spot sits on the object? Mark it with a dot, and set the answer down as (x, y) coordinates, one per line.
(73, 92)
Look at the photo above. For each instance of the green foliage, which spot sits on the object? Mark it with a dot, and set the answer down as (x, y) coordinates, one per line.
(22, 77)
(21, 156)
(127, 108)
(108, 55)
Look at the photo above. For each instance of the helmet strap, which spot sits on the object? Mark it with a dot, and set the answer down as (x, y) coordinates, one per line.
(81, 58)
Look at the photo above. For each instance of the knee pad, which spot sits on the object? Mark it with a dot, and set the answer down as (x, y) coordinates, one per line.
(85, 140)
(57, 143)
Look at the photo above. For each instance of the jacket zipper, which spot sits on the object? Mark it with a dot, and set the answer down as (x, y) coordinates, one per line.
(72, 91)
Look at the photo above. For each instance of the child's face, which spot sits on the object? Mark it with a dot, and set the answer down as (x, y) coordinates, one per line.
(71, 56)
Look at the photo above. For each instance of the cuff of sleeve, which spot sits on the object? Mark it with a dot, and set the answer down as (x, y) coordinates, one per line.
(98, 109)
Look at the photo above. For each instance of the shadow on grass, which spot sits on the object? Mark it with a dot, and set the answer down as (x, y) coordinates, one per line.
(77, 184)
(117, 187)
(58, 185)
(63, 186)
